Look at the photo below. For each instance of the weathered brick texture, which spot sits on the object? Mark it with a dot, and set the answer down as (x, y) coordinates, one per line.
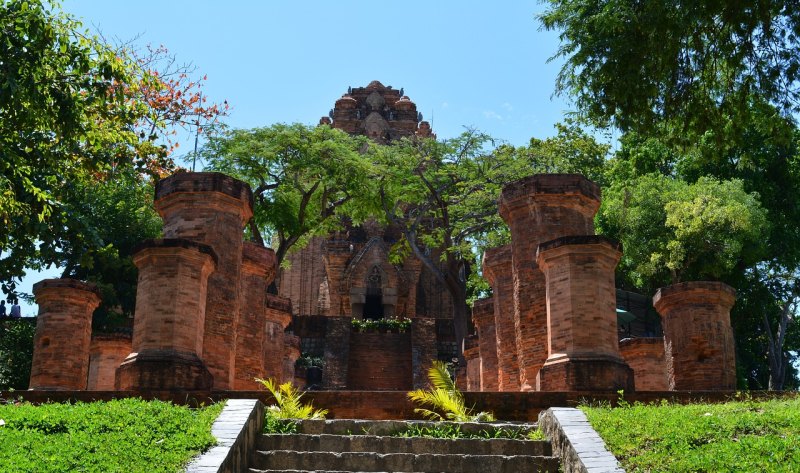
(646, 357)
(258, 270)
(698, 338)
(472, 355)
(498, 270)
(291, 352)
(277, 316)
(583, 351)
(423, 349)
(106, 353)
(537, 209)
(168, 337)
(337, 353)
(212, 208)
(380, 362)
(63, 334)
(483, 318)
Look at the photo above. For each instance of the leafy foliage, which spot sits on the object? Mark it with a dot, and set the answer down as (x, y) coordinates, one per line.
(16, 353)
(745, 435)
(445, 398)
(287, 402)
(388, 324)
(444, 430)
(114, 436)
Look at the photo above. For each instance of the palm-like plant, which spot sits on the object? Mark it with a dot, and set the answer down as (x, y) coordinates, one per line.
(445, 398)
(288, 405)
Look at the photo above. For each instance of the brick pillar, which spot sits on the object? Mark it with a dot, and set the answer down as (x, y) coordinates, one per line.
(537, 209)
(472, 355)
(170, 311)
(258, 270)
(63, 334)
(483, 318)
(106, 353)
(646, 357)
(212, 208)
(583, 343)
(337, 253)
(497, 270)
(698, 338)
(291, 352)
(337, 353)
(423, 349)
(278, 317)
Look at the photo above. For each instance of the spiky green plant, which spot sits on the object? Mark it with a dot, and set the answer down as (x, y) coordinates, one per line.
(287, 399)
(445, 398)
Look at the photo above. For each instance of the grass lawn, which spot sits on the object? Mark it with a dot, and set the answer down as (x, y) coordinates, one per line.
(742, 436)
(127, 435)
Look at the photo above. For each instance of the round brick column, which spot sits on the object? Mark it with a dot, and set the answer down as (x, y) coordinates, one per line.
(483, 318)
(646, 357)
(63, 334)
(212, 208)
(497, 270)
(253, 329)
(170, 310)
(583, 349)
(107, 351)
(698, 338)
(537, 209)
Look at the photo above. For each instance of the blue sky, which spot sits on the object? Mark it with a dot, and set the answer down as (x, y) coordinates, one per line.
(467, 63)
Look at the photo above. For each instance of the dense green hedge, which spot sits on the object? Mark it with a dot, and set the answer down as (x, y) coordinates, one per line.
(128, 435)
(16, 352)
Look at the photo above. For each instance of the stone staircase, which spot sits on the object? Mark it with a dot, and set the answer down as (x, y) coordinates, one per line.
(346, 445)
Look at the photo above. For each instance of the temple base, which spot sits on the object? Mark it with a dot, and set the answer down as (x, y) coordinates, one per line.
(163, 370)
(594, 374)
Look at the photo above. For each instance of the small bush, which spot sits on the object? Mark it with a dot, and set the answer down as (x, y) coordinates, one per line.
(127, 435)
(445, 398)
(281, 417)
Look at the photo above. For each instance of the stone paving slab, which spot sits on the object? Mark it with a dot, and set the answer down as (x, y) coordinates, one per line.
(574, 440)
(236, 428)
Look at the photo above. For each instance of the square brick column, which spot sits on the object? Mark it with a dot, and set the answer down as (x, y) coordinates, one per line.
(337, 353)
(483, 318)
(212, 208)
(472, 355)
(291, 352)
(63, 334)
(698, 338)
(106, 353)
(497, 270)
(583, 348)
(423, 349)
(646, 357)
(258, 270)
(168, 324)
(278, 316)
(537, 209)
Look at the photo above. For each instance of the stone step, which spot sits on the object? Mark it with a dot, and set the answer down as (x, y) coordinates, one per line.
(390, 427)
(417, 445)
(288, 460)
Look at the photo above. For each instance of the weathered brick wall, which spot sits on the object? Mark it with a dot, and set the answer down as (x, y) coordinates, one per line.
(291, 352)
(106, 353)
(424, 349)
(537, 209)
(498, 270)
(337, 353)
(380, 362)
(581, 314)
(472, 355)
(646, 357)
(302, 281)
(483, 318)
(212, 208)
(168, 336)
(698, 338)
(63, 334)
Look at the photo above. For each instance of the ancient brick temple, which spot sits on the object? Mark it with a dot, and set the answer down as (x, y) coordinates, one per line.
(206, 320)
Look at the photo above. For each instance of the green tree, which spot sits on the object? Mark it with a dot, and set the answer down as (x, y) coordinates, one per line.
(650, 65)
(16, 353)
(304, 179)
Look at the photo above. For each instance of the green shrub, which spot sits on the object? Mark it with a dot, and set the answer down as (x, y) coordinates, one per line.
(445, 398)
(16, 353)
(127, 435)
(400, 325)
(281, 416)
